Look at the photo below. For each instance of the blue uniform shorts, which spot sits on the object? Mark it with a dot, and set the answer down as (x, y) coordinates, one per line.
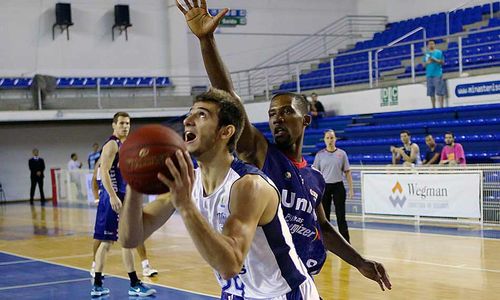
(106, 220)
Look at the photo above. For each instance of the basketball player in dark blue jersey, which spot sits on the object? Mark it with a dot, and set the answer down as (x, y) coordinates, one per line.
(300, 186)
(112, 192)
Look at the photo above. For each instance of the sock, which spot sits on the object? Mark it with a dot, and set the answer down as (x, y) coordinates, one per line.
(133, 278)
(93, 265)
(98, 279)
(145, 263)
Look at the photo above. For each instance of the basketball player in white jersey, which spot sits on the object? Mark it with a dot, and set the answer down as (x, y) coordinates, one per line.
(231, 210)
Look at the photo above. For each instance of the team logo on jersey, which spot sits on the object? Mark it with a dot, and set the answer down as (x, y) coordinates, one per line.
(288, 175)
(143, 152)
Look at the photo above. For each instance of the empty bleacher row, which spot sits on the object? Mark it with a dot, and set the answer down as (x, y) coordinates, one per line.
(90, 82)
(480, 50)
(367, 138)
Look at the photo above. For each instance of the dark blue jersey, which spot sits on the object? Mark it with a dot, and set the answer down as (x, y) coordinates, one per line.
(301, 190)
(117, 181)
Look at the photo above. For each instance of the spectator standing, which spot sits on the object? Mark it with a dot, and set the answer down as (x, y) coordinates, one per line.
(333, 163)
(317, 110)
(434, 61)
(73, 166)
(409, 153)
(94, 156)
(433, 153)
(453, 153)
(37, 167)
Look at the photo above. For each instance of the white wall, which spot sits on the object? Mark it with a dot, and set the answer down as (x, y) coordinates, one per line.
(56, 141)
(159, 42)
(27, 46)
(271, 16)
(398, 10)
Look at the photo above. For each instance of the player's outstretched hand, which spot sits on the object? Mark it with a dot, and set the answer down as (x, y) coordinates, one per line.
(181, 186)
(198, 19)
(376, 272)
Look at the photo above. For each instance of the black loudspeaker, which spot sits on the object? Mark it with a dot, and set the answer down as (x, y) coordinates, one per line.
(122, 15)
(63, 14)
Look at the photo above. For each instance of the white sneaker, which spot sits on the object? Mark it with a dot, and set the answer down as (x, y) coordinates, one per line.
(149, 272)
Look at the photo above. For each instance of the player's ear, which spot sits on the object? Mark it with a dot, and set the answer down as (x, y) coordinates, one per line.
(306, 120)
(227, 132)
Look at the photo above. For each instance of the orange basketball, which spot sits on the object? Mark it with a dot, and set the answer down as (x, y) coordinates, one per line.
(143, 155)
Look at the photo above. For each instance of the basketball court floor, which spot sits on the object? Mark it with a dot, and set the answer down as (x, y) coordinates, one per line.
(45, 253)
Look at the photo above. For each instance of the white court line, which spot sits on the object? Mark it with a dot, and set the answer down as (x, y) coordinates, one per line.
(111, 252)
(426, 233)
(436, 264)
(14, 262)
(42, 284)
(111, 275)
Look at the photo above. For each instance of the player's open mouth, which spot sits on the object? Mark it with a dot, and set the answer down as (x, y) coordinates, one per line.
(189, 136)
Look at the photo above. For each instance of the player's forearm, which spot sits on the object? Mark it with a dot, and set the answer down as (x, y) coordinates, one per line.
(218, 250)
(336, 244)
(216, 70)
(131, 231)
(349, 180)
(106, 182)
(433, 159)
(95, 189)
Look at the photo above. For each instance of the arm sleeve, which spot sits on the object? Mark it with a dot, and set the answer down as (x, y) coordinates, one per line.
(43, 165)
(346, 167)
(460, 154)
(316, 162)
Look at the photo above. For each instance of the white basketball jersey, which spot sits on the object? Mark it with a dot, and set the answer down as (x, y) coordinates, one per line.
(272, 267)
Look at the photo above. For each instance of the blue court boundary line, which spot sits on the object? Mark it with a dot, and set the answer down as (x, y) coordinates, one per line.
(31, 259)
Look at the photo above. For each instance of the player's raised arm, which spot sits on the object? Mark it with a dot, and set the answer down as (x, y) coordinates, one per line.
(252, 146)
(225, 251)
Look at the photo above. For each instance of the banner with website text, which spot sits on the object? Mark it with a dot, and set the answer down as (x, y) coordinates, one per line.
(434, 195)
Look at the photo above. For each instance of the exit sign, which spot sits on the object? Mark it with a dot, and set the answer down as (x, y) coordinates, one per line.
(234, 17)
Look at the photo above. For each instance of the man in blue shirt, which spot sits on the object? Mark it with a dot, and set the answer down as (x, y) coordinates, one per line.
(434, 61)
(433, 153)
(94, 156)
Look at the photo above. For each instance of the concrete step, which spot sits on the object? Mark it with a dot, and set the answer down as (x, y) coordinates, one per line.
(397, 71)
(476, 25)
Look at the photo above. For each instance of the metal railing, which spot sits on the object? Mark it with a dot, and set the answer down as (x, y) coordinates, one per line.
(490, 191)
(350, 70)
(414, 31)
(363, 71)
(326, 41)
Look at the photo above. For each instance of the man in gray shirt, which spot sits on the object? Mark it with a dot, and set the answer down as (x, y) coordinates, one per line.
(333, 163)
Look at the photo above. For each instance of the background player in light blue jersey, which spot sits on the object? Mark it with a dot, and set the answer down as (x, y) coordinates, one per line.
(301, 187)
(230, 209)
